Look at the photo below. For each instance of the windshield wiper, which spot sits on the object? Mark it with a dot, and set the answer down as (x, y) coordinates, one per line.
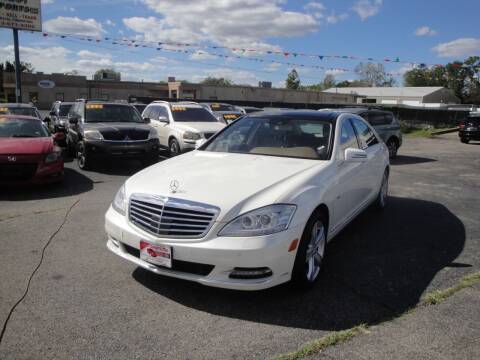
(23, 136)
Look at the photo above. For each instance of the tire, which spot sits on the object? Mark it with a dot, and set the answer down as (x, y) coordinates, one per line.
(83, 160)
(311, 252)
(392, 145)
(382, 197)
(465, 141)
(174, 147)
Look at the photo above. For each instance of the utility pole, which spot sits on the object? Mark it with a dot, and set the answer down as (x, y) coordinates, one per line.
(18, 72)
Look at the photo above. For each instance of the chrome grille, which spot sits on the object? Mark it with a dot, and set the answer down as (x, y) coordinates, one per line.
(171, 217)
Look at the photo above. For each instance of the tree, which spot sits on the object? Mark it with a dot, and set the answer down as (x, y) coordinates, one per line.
(10, 67)
(107, 74)
(373, 74)
(460, 77)
(293, 80)
(328, 81)
(217, 81)
(352, 83)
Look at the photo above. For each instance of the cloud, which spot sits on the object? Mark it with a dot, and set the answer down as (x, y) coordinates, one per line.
(74, 25)
(87, 54)
(46, 59)
(110, 23)
(47, 2)
(367, 8)
(200, 55)
(425, 31)
(459, 47)
(234, 23)
(334, 18)
(334, 72)
(237, 76)
(316, 9)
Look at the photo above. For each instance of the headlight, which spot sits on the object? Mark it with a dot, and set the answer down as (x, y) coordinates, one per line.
(120, 202)
(92, 135)
(52, 157)
(191, 136)
(264, 221)
(152, 134)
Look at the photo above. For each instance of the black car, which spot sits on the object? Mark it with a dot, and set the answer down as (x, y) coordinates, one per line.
(470, 128)
(100, 130)
(58, 116)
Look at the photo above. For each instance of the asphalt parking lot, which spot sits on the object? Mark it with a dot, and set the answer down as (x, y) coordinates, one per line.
(86, 303)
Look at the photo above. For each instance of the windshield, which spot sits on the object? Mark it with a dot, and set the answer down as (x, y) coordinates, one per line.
(22, 128)
(140, 108)
(472, 121)
(275, 136)
(64, 110)
(111, 113)
(25, 111)
(192, 114)
(222, 107)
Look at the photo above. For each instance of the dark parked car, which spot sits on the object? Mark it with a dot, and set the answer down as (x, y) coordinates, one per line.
(28, 152)
(384, 123)
(100, 130)
(470, 128)
(58, 116)
(19, 109)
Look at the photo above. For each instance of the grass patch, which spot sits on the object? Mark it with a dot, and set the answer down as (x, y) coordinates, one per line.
(316, 346)
(438, 296)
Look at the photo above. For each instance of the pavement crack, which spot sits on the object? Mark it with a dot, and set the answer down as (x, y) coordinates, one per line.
(25, 293)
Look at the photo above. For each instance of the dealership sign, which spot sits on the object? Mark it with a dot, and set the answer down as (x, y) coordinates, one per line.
(21, 14)
(46, 84)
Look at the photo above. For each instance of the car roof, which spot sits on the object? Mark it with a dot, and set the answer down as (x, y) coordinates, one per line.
(330, 116)
(22, 117)
(19, 105)
(105, 102)
(355, 110)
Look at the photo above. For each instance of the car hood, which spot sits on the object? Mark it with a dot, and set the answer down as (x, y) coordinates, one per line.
(10, 146)
(115, 126)
(200, 126)
(233, 182)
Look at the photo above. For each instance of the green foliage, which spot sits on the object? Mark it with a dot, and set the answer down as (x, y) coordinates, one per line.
(293, 80)
(461, 77)
(107, 74)
(10, 67)
(217, 81)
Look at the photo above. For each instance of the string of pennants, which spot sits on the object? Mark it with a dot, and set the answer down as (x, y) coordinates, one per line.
(239, 53)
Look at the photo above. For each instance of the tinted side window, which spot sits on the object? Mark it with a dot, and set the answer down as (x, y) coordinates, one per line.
(379, 119)
(348, 139)
(146, 112)
(154, 111)
(162, 111)
(366, 136)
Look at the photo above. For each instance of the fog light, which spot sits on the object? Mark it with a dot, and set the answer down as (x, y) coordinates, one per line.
(250, 273)
(115, 242)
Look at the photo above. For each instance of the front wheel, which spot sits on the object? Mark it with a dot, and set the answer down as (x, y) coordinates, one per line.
(392, 148)
(381, 200)
(174, 147)
(465, 141)
(311, 252)
(84, 161)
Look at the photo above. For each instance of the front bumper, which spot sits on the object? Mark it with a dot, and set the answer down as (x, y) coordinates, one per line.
(469, 134)
(122, 149)
(222, 253)
(45, 174)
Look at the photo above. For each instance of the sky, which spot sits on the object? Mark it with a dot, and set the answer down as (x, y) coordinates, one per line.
(412, 31)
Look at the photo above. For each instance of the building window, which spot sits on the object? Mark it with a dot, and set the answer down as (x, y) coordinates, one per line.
(59, 97)
(369, 101)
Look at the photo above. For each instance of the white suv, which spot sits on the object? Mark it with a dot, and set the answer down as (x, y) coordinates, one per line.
(181, 126)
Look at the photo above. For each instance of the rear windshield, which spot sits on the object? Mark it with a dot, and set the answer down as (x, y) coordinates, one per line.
(64, 110)
(222, 107)
(22, 128)
(192, 114)
(18, 111)
(95, 113)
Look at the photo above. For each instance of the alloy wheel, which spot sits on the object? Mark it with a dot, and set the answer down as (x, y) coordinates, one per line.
(315, 250)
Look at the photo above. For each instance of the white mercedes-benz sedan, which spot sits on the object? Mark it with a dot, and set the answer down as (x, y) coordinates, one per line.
(256, 204)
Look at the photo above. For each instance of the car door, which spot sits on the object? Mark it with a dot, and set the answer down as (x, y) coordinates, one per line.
(373, 170)
(349, 184)
(73, 129)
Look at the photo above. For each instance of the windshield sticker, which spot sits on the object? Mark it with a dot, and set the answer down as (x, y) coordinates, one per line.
(215, 106)
(230, 116)
(94, 106)
(3, 109)
(179, 108)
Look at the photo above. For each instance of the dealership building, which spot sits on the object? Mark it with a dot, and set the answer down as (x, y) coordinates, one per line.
(44, 89)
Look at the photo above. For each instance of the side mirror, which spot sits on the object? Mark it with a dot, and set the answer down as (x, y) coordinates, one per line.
(147, 120)
(58, 136)
(355, 155)
(73, 120)
(47, 119)
(163, 119)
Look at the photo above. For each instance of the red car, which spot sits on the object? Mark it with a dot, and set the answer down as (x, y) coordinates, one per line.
(28, 152)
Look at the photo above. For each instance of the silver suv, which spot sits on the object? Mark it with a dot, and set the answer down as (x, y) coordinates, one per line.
(384, 123)
(181, 126)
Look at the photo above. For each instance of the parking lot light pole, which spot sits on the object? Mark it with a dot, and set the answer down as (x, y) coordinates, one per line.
(18, 73)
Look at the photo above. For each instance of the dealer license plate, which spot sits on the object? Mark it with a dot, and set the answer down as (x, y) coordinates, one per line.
(156, 254)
